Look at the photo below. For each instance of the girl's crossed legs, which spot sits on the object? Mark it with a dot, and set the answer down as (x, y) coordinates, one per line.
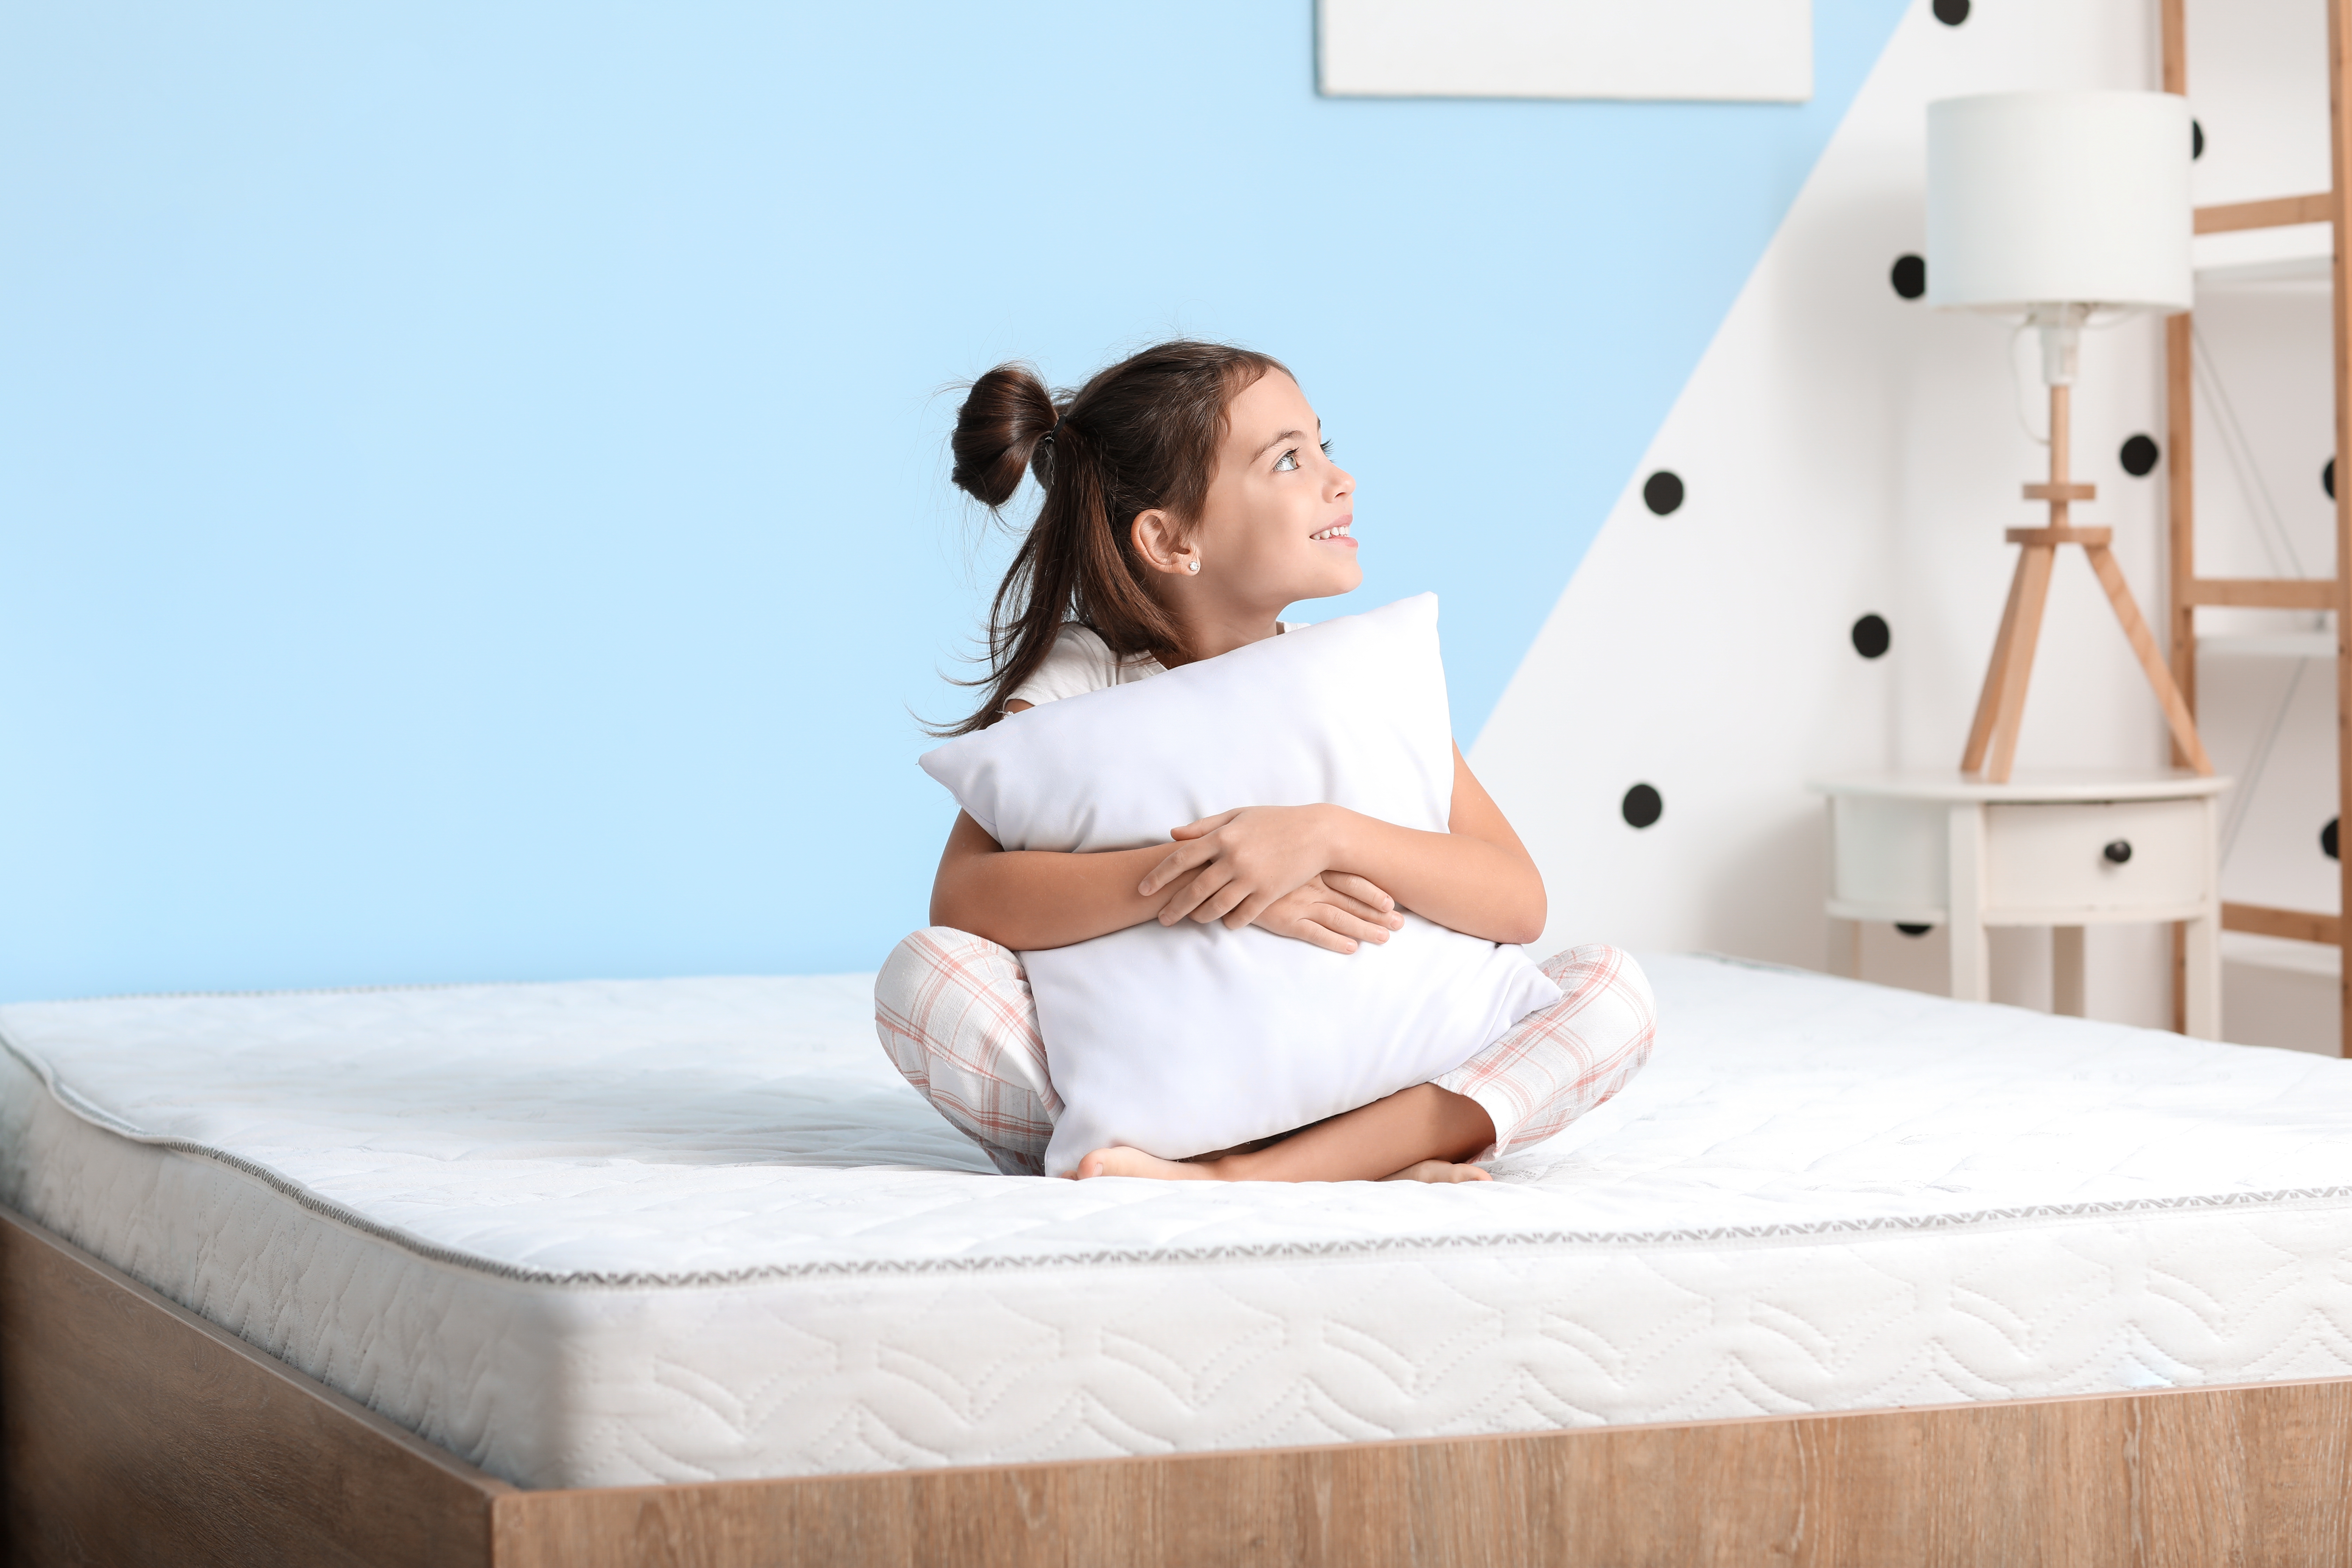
(954, 1013)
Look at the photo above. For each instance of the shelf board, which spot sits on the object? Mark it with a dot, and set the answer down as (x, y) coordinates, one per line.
(2277, 953)
(2299, 253)
(2028, 785)
(2269, 645)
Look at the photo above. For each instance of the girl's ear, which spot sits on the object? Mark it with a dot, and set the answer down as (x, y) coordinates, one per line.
(1159, 541)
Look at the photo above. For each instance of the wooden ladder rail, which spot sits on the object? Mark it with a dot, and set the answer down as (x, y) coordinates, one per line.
(2185, 589)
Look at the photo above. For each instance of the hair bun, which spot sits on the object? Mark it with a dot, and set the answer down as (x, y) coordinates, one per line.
(1004, 415)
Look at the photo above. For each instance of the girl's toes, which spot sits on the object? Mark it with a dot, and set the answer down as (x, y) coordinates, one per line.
(1439, 1171)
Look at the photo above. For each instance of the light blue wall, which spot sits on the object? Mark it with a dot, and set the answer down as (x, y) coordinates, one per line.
(472, 487)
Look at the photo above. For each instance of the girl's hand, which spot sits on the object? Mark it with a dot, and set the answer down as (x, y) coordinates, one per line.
(1241, 861)
(1335, 911)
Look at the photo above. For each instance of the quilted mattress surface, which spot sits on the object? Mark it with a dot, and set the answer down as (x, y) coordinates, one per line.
(664, 1231)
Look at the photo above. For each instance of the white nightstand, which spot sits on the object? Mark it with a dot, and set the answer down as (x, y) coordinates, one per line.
(2058, 849)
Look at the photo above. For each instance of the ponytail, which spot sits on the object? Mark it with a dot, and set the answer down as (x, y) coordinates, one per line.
(1004, 416)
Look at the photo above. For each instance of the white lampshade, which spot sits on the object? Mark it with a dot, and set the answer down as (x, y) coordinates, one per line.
(2047, 198)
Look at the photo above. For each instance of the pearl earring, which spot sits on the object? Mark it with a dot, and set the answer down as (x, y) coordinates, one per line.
(1192, 566)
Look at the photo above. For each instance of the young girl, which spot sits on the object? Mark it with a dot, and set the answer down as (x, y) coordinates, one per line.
(1189, 497)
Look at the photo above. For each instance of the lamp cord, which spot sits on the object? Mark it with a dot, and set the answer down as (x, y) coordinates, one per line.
(2017, 387)
(2247, 472)
(2255, 765)
(2207, 376)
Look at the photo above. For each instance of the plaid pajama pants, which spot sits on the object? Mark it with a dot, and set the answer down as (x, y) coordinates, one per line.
(954, 1013)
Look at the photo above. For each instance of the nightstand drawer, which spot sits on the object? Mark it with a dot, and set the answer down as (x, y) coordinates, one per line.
(2117, 855)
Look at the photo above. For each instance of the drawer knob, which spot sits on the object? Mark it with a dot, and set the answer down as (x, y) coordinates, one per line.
(2118, 851)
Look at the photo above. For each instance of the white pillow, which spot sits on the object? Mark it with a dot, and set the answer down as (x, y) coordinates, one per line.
(1183, 1040)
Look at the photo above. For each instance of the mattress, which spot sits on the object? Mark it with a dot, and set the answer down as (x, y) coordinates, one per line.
(606, 1234)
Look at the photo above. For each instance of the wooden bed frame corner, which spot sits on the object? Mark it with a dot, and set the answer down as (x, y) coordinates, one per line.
(135, 1432)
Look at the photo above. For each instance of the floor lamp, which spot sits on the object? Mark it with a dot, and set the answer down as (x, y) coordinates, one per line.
(2055, 208)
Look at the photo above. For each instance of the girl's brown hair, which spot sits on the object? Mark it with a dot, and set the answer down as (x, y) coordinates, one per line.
(1141, 434)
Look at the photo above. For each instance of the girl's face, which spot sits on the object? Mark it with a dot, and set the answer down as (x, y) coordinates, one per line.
(1275, 526)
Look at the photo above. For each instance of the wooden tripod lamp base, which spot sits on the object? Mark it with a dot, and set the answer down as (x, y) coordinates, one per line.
(2001, 710)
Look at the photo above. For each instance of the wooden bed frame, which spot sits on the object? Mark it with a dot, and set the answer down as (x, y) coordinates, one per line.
(135, 1432)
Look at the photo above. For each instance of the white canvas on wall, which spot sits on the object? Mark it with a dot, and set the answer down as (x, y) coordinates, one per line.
(1749, 50)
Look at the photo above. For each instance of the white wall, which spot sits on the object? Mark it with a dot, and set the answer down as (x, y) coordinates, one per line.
(1847, 451)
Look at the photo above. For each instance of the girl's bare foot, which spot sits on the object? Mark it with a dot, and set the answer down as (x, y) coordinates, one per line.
(1119, 1161)
(1439, 1171)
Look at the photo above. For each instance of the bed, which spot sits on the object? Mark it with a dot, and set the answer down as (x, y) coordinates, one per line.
(600, 1259)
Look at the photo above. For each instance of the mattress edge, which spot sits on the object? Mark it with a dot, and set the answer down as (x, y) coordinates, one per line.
(1797, 1233)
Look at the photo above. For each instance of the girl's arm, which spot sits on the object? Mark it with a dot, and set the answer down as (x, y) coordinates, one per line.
(1028, 898)
(1477, 877)
(1031, 899)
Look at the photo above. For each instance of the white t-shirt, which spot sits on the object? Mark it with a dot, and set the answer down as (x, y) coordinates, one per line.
(1081, 662)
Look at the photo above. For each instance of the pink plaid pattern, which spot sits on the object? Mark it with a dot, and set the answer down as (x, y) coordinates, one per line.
(1556, 1064)
(954, 1013)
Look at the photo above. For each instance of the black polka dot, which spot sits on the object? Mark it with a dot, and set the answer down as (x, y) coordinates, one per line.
(2327, 478)
(1906, 927)
(1643, 805)
(1951, 12)
(1871, 637)
(1662, 492)
(2196, 141)
(2327, 839)
(2139, 456)
(1909, 276)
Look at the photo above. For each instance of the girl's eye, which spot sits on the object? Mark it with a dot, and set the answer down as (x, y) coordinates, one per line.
(1286, 463)
(1327, 447)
